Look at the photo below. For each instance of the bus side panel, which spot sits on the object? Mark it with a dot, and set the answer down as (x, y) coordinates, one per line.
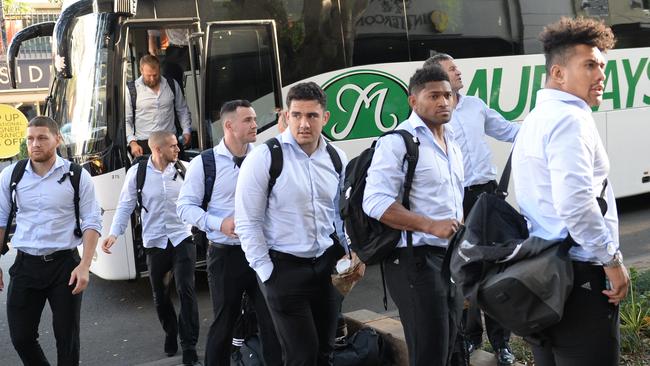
(120, 265)
(629, 151)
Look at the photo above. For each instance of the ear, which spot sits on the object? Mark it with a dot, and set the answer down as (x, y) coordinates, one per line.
(326, 117)
(411, 100)
(557, 74)
(227, 124)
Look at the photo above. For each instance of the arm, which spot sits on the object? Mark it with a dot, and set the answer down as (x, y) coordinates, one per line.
(338, 222)
(152, 41)
(183, 114)
(398, 217)
(5, 200)
(498, 127)
(125, 206)
(128, 126)
(2, 285)
(91, 226)
(250, 210)
(190, 198)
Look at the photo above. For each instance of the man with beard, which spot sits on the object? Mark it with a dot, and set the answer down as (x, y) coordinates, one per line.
(228, 272)
(426, 301)
(167, 241)
(156, 107)
(47, 266)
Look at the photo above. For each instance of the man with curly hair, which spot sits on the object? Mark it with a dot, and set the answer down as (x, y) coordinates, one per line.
(559, 167)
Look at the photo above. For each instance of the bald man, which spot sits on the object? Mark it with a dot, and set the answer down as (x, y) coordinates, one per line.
(167, 241)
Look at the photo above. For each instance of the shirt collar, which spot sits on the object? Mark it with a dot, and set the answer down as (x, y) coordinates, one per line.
(418, 125)
(59, 162)
(555, 94)
(153, 167)
(222, 149)
(461, 99)
(287, 138)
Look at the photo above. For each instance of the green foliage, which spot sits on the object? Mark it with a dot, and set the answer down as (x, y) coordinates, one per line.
(15, 7)
(635, 314)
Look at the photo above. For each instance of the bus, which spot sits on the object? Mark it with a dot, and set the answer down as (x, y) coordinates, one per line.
(361, 52)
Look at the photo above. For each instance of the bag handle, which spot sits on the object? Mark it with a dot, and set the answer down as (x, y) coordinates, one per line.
(502, 188)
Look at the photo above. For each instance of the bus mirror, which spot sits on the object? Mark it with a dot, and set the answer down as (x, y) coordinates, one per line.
(33, 31)
(62, 36)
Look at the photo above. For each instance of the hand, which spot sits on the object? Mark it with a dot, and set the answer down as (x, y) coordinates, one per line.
(108, 242)
(2, 284)
(619, 281)
(80, 275)
(228, 227)
(136, 150)
(187, 139)
(443, 229)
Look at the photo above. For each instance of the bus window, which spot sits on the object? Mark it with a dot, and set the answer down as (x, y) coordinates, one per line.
(240, 64)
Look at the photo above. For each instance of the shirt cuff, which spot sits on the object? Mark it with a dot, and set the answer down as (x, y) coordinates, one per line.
(214, 223)
(129, 139)
(603, 254)
(264, 271)
(377, 208)
(187, 131)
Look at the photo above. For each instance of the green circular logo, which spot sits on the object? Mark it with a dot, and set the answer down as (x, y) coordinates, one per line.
(364, 103)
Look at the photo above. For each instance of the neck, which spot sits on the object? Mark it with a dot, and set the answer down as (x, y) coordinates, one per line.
(159, 162)
(237, 148)
(43, 167)
(310, 148)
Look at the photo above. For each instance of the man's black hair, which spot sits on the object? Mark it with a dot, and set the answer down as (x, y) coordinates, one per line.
(560, 37)
(307, 91)
(232, 105)
(44, 121)
(425, 75)
(436, 58)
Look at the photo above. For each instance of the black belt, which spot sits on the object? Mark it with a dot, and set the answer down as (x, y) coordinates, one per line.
(421, 250)
(292, 258)
(47, 257)
(482, 187)
(224, 246)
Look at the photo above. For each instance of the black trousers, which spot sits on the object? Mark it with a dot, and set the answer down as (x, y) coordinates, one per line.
(428, 305)
(588, 333)
(229, 275)
(497, 334)
(180, 262)
(304, 306)
(34, 281)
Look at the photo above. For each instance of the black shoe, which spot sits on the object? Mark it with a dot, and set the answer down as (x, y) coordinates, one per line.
(504, 356)
(471, 346)
(190, 357)
(171, 346)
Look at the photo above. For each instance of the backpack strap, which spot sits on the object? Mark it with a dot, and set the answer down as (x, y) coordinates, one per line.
(75, 180)
(502, 188)
(180, 169)
(140, 177)
(133, 93)
(172, 85)
(336, 159)
(209, 173)
(277, 161)
(16, 176)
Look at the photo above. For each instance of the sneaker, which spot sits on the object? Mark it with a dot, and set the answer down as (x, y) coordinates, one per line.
(171, 346)
(504, 356)
(190, 357)
(471, 346)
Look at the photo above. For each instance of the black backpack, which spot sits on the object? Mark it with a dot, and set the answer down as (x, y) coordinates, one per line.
(370, 239)
(133, 93)
(17, 174)
(275, 169)
(366, 347)
(141, 176)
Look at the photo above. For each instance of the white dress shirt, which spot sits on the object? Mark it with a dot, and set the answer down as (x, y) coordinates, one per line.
(45, 218)
(558, 168)
(159, 194)
(471, 121)
(302, 210)
(222, 203)
(155, 111)
(437, 190)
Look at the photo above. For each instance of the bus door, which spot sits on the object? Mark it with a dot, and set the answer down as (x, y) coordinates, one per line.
(176, 42)
(241, 62)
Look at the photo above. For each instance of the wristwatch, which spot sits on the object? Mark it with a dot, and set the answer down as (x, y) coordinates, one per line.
(616, 261)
